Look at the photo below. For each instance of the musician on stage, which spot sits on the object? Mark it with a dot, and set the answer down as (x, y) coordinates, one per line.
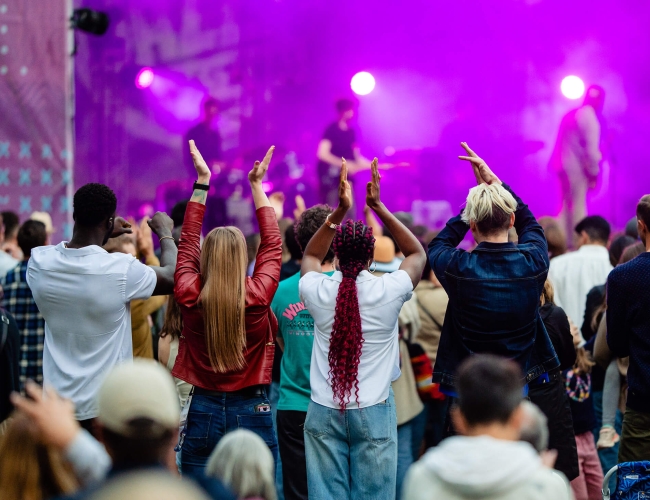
(339, 141)
(207, 138)
(577, 155)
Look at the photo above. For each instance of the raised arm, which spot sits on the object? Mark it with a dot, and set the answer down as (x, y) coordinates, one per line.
(268, 261)
(320, 243)
(188, 270)
(162, 226)
(414, 256)
(528, 229)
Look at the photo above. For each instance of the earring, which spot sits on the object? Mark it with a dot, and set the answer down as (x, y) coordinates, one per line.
(373, 270)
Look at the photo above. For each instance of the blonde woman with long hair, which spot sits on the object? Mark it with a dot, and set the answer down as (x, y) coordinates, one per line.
(227, 346)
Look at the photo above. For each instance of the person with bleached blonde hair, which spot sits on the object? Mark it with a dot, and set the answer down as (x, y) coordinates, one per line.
(494, 291)
(244, 463)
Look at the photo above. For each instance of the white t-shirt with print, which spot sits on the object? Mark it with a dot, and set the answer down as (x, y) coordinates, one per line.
(84, 295)
(380, 301)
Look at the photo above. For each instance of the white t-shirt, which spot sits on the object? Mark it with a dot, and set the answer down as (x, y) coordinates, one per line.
(380, 301)
(574, 274)
(84, 295)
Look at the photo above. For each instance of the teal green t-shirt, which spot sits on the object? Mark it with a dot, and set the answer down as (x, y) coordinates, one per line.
(296, 328)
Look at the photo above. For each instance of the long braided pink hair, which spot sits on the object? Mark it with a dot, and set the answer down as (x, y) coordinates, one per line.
(354, 246)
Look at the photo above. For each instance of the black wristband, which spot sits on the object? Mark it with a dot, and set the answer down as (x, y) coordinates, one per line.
(202, 187)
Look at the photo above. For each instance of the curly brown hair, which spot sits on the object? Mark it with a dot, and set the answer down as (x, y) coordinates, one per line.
(311, 221)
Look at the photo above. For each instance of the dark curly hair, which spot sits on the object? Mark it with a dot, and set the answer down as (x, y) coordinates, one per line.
(93, 203)
(311, 221)
(354, 246)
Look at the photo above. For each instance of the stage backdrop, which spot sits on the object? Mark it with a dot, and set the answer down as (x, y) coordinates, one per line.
(35, 138)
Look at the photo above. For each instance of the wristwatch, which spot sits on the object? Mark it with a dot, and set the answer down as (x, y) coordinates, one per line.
(203, 187)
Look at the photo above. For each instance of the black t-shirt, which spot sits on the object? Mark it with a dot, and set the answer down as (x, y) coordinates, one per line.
(343, 141)
(343, 144)
(208, 142)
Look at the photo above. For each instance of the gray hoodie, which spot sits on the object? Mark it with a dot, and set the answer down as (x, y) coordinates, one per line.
(483, 467)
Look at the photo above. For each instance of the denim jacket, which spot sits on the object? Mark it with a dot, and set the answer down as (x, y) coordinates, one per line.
(494, 296)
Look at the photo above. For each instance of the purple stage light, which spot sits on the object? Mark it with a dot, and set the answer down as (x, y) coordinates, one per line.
(267, 186)
(144, 78)
(572, 87)
(362, 83)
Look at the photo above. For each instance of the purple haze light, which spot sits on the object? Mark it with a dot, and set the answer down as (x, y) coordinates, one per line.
(572, 87)
(362, 83)
(144, 78)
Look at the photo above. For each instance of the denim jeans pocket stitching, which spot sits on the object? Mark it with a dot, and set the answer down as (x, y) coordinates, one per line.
(375, 422)
(197, 443)
(261, 424)
(323, 419)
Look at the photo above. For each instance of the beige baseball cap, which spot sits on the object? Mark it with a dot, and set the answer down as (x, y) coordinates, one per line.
(45, 218)
(143, 389)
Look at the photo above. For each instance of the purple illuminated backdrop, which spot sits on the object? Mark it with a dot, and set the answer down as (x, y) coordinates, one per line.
(485, 72)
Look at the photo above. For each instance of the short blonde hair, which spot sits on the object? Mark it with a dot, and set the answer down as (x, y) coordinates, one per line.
(244, 463)
(490, 207)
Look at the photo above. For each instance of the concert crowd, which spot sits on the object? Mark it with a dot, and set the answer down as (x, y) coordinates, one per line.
(340, 353)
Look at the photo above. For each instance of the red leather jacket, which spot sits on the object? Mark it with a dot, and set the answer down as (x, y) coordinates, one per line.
(192, 363)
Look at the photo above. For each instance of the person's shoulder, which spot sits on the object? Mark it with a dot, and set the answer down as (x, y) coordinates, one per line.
(285, 287)
(635, 267)
(550, 484)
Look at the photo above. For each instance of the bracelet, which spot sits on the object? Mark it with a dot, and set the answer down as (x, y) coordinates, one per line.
(331, 225)
(170, 237)
(202, 187)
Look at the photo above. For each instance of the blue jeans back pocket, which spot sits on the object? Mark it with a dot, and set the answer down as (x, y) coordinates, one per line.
(318, 420)
(379, 422)
(261, 424)
(197, 433)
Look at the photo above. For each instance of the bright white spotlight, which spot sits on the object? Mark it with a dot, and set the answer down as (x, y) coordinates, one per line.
(144, 78)
(362, 83)
(572, 87)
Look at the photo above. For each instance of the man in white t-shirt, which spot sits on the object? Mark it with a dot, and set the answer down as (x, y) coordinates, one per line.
(84, 294)
(574, 274)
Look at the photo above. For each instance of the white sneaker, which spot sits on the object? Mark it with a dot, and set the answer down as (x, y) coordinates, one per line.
(607, 438)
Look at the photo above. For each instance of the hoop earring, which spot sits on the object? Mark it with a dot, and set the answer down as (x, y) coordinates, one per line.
(373, 271)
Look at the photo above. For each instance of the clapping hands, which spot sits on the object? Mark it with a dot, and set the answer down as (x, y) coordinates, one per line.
(482, 172)
(372, 188)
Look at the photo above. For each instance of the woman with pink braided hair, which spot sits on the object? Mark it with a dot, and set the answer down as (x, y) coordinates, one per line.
(351, 428)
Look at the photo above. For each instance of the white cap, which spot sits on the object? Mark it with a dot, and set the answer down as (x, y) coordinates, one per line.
(139, 390)
(45, 218)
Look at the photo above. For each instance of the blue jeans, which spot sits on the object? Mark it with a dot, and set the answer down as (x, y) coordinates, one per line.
(274, 396)
(409, 440)
(608, 456)
(351, 454)
(211, 417)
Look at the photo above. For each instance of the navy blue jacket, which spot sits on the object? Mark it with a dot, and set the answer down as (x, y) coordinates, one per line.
(628, 325)
(494, 295)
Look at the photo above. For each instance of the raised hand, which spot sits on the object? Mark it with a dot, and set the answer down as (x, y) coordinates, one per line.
(482, 172)
(300, 207)
(52, 415)
(345, 190)
(277, 202)
(144, 240)
(202, 169)
(372, 188)
(259, 170)
(161, 224)
(120, 227)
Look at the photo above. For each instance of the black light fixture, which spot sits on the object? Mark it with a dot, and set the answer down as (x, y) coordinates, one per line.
(90, 21)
